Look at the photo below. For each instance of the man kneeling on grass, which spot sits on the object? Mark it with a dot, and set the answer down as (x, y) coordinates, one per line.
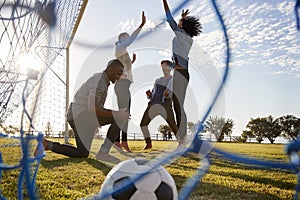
(87, 113)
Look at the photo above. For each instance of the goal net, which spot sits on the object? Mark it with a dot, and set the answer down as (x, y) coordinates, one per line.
(34, 41)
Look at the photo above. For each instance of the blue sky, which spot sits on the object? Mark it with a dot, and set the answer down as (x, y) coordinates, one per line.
(264, 75)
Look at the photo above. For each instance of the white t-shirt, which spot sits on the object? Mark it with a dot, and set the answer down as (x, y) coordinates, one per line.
(95, 86)
(122, 54)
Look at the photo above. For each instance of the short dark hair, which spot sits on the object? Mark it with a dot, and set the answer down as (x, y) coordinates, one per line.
(191, 25)
(114, 63)
(165, 61)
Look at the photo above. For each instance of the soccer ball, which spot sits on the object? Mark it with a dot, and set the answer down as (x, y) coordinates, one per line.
(158, 184)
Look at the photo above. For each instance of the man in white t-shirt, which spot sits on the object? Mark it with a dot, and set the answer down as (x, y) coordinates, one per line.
(87, 112)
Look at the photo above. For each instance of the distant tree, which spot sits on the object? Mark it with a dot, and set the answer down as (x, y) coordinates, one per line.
(4, 128)
(228, 127)
(239, 139)
(190, 126)
(1, 127)
(289, 126)
(273, 129)
(219, 126)
(163, 129)
(71, 133)
(214, 126)
(265, 127)
(48, 129)
(247, 134)
(9, 129)
(255, 127)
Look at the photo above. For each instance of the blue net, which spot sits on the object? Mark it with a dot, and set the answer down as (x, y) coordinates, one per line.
(39, 30)
(28, 173)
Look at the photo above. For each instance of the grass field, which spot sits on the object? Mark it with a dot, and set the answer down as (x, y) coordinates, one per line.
(60, 177)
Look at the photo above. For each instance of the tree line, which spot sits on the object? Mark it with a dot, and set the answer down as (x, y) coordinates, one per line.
(260, 128)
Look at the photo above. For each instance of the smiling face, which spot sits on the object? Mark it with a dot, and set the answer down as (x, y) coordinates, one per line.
(116, 73)
(166, 68)
(114, 70)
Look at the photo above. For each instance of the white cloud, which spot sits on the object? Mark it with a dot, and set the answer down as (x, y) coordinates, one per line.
(260, 33)
(130, 25)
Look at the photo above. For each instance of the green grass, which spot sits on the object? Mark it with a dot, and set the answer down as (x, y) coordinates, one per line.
(60, 177)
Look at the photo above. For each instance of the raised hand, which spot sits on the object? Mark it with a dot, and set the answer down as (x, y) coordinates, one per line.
(143, 19)
(184, 14)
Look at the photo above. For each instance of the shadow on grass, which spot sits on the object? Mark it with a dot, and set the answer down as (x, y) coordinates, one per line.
(253, 178)
(209, 191)
(153, 154)
(236, 165)
(206, 190)
(105, 168)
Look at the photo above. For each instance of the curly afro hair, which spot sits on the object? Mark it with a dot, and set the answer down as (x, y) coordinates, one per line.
(191, 25)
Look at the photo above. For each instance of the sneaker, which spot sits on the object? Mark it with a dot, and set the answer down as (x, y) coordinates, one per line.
(125, 146)
(102, 156)
(118, 147)
(148, 146)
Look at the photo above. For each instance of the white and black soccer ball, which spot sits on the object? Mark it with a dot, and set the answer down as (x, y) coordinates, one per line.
(158, 184)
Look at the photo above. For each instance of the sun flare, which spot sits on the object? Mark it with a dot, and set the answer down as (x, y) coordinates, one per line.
(27, 63)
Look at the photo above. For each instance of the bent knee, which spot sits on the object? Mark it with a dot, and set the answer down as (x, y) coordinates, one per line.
(84, 154)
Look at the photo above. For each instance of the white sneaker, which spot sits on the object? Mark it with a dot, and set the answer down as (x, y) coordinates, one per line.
(106, 157)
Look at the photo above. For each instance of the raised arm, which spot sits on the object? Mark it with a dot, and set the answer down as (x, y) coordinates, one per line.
(135, 33)
(170, 18)
(143, 20)
(166, 6)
